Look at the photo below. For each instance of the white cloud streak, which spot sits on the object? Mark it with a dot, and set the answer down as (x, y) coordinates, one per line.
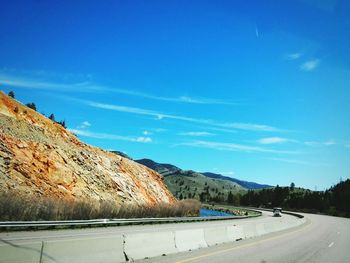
(107, 136)
(160, 116)
(233, 147)
(310, 65)
(198, 134)
(22, 82)
(293, 56)
(250, 127)
(293, 161)
(84, 124)
(227, 173)
(317, 143)
(274, 140)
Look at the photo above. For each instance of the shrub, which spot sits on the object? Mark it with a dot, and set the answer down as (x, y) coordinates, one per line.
(18, 207)
(31, 105)
(62, 123)
(11, 94)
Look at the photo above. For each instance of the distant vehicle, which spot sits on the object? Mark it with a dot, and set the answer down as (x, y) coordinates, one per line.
(277, 211)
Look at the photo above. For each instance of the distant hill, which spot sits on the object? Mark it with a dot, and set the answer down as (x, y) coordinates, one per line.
(161, 168)
(245, 184)
(122, 154)
(190, 184)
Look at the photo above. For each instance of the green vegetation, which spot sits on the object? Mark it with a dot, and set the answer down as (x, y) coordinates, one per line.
(334, 201)
(17, 207)
(11, 94)
(192, 185)
(31, 105)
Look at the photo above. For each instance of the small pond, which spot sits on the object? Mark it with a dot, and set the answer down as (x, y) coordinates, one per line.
(207, 212)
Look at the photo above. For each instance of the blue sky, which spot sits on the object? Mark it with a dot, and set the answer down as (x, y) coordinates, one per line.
(257, 90)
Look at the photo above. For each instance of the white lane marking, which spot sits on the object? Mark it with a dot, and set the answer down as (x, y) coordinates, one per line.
(331, 244)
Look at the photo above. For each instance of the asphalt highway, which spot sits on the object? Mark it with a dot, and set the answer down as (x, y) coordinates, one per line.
(321, 239)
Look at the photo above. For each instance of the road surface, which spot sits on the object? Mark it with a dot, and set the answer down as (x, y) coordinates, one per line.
(321, 239)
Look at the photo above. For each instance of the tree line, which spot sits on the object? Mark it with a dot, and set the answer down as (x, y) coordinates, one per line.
(334, 201)
(32, 106)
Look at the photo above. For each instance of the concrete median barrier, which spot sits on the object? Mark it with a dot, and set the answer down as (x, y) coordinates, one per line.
(142, 245)
(270, 227)
(216, 235)
(260, 229)
(235, 233)
(106, 249)
(11, 252)
(186, 240)
(249, 230)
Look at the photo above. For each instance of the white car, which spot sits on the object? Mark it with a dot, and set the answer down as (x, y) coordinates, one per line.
(277, 211)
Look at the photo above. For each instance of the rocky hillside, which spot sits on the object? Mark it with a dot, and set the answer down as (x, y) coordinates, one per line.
(190, 184)
(41, 158)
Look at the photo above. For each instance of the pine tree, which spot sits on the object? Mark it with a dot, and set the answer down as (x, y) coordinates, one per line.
(230, 198)
(292, 186)
(52, 117)
(31, 105)
(11, 94)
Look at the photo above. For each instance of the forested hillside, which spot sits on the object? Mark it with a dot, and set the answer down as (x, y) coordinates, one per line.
(334, 201)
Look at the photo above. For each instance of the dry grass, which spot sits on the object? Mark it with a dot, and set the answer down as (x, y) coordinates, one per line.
(14, 207)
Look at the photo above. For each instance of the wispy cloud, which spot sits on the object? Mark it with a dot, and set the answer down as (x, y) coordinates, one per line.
(310, 65)
(293, 161)
(143, 139)
(23, 82)
(87, 86)
(107, 136)
(146, 132)
(329, 142)
(321, 143)
(233, 147)
(293, 56)
(227, 173)
(274, 140)
(84, 124)
(160, 116)
(198, 134)
(250, 127)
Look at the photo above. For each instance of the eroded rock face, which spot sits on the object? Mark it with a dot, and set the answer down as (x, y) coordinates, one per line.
(40, 157)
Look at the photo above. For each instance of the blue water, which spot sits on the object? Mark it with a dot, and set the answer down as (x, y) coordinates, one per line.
(206, 212)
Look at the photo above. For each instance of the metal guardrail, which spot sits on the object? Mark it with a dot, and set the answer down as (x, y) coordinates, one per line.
(283, 212)
(108, 222)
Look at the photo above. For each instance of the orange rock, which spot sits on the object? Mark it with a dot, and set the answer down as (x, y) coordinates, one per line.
(40, 157)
